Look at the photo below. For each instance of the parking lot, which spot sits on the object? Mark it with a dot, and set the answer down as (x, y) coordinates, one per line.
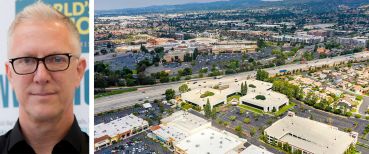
(206, 61)
(257, 121)
(341, 122)
(128, 60)
(138, 144)
(152, 115)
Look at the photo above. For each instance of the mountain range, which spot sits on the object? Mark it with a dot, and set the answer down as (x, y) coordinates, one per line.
(322, 5)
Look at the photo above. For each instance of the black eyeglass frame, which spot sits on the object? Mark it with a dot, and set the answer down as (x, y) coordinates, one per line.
(43, 61)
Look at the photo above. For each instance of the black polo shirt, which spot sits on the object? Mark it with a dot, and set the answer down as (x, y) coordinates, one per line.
(75, 141)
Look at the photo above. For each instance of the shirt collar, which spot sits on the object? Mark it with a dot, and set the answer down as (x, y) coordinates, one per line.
(16, 136)
(73, 137)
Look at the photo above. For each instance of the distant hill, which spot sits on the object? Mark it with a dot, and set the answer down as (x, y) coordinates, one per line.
(317, 5)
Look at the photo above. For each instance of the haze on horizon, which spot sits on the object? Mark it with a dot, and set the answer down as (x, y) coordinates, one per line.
(124, 4)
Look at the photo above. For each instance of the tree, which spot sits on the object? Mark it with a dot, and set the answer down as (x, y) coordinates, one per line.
(145, 80)
(213, 113)
(183, 88)
(260, 97)
(100, 81)
(244, 88)
(143, 49)
(242, 92)
(274, 109)
(308, 56)
(102, 68)
(187, 57)
(242, 111)
(287, 147)
(187, 71)
(207, 109)
(246, 120)
(169, 94)
(262, 75)
(253, 131)
(351, 150)
(195, 53)
(284, 87)
(159, 50)
(238, 129)
(232, 118)
(261, 43)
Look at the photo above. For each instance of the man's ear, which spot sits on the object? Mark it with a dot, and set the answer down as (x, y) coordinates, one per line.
(81, 67)
(8, 71)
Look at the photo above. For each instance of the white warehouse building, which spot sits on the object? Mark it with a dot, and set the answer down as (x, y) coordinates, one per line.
(273, 100)
(317, 138)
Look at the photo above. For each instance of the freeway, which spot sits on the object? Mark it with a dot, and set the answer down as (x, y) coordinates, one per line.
(156, 91)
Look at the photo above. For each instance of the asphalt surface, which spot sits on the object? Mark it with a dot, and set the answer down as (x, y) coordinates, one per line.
(138, 144)
(364, 106)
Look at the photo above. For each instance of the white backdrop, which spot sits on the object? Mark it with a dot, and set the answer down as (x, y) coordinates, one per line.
(8, 105)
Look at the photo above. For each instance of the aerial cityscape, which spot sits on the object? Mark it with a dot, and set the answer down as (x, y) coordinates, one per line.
(237, 76)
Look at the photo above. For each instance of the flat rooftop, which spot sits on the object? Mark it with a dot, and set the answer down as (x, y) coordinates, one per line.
(252, 149)
(168, 132)
(317, 138)
(271, 98)
(210, 141)
(220, 95)
(185, 121)
(194, 96)
(119, 126)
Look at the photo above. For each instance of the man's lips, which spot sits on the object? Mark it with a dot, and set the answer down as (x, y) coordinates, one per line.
(43, 93)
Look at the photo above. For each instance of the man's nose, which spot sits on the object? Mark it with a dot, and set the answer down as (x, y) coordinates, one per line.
(42, 75)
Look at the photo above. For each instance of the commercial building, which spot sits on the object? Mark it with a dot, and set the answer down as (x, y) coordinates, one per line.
(353, 42)
(252, 149)
(317, 138)
(187, 133)
(121, 128)
(216, 96)
(178, 126)
(308, 39)
(273, 100)
(209, 140)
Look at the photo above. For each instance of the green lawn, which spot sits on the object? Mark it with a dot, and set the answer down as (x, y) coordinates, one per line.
(252, 109)
(234, 96)
(284, 109)
(185, 106)
(114, 92)
(206, 94)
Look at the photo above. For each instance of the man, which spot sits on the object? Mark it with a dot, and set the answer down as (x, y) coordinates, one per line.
(44, 70)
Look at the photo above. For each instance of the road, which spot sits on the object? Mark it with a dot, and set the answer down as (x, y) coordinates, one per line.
(157, 91)
(364, 106)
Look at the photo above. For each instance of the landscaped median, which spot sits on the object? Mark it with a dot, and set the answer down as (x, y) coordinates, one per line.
(252, 109)
(258, 111)
(284, 109)
(114, 92)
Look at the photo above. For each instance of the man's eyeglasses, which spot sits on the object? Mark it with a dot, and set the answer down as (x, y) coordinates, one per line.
(29, 65)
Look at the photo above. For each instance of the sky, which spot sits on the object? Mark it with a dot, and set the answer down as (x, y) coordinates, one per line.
(122, 4)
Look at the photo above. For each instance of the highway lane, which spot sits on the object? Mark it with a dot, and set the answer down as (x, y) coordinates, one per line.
(156, 91)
